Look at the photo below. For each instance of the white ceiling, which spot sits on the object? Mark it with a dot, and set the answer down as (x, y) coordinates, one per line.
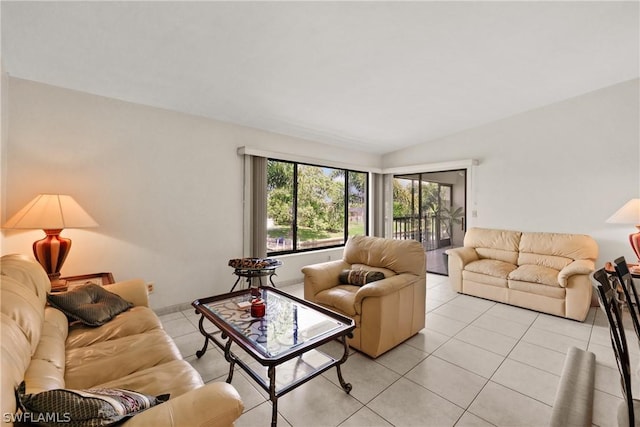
(372, 76)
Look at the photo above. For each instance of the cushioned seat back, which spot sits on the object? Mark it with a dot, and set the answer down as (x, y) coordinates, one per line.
(555, 250)
(23, 307)
(46, 370)
(501, 245)
(28, 272)
(22, 319)
(401, 256)
(15, 353)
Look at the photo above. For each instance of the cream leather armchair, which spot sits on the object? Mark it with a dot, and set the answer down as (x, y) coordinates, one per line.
(386, 312)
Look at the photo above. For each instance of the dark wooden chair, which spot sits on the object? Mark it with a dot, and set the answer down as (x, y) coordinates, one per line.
(611, 307)
(630, 292)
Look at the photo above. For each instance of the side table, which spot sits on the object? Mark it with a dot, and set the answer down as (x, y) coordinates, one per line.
(71, 282)
(250, 268)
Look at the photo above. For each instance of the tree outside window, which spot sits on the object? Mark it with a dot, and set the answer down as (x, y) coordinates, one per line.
(310, 207)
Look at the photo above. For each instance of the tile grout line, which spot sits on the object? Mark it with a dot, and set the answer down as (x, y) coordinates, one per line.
(429, 354)
(490, 381)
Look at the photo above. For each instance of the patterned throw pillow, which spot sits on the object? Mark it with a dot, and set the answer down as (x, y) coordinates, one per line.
(93, 407)
(91, 304)
(359, 277)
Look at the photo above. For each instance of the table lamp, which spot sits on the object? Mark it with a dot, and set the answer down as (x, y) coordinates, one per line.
(52, 213)
(629, 214)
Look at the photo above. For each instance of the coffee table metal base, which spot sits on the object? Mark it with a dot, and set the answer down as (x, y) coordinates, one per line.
(270, 383)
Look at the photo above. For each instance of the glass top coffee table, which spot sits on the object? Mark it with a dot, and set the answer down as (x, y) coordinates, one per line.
(286, 338)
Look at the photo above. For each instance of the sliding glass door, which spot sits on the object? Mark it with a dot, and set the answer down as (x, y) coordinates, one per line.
(429, 208)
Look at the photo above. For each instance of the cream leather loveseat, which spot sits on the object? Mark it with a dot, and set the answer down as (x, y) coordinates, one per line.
(387, 311)
(131, 351)
(547, 272)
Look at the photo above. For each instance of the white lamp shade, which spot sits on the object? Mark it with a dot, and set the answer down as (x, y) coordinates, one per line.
(627, 214)
(51, 212)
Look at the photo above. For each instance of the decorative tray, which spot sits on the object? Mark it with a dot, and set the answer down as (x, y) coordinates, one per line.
(254, 263)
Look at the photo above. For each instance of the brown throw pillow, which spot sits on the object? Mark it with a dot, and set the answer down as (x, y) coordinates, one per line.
(91, 304)
(359, 277)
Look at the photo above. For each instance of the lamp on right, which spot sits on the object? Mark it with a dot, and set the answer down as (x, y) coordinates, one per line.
(629, 214)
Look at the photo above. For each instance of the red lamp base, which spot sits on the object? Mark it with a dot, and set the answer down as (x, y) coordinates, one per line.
(634, 239)
(51, 252)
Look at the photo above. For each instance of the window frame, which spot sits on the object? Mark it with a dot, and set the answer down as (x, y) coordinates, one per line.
(294, 206)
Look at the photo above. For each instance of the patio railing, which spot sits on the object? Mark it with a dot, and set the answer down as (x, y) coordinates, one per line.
(423, 229)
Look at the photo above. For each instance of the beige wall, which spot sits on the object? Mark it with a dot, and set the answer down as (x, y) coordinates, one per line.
(4, 137)
(565, 167)
(166, 188)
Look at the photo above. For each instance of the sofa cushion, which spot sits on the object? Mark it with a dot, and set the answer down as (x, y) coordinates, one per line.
(491, 267)
(46, 370)
(134, 321)
(22, 305)
(359, 277)
(573, 246)
(15, 353)
(341, 298)
(28, 272)
(551, 261)
(91, 304)
(93, 407)
(105, 361)
(536, 274)
(538, 289)
(501, 245)
(483, 279)
(498, 254)
(176, 377)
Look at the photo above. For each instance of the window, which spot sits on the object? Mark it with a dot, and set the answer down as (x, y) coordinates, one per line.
(313, 207)
(420, 210)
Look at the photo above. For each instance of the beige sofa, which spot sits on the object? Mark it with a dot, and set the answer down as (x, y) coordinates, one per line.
(386, 312)
(547, 272)
(131, 351)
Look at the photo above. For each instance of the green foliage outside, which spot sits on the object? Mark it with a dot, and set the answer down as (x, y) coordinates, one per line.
(402, 198)
(320, 209)
(405, 197)
(304, 234)
(449, 216)
(437, 214)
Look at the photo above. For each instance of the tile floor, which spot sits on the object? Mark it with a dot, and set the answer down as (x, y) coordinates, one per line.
(477, 363)
(436, 261)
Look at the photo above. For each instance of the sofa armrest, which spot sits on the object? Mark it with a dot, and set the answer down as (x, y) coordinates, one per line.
(579, 266)
(214, 404)
(458, 258)
(318, 277)
(463, 255)
(134, 290)
(383, 287)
